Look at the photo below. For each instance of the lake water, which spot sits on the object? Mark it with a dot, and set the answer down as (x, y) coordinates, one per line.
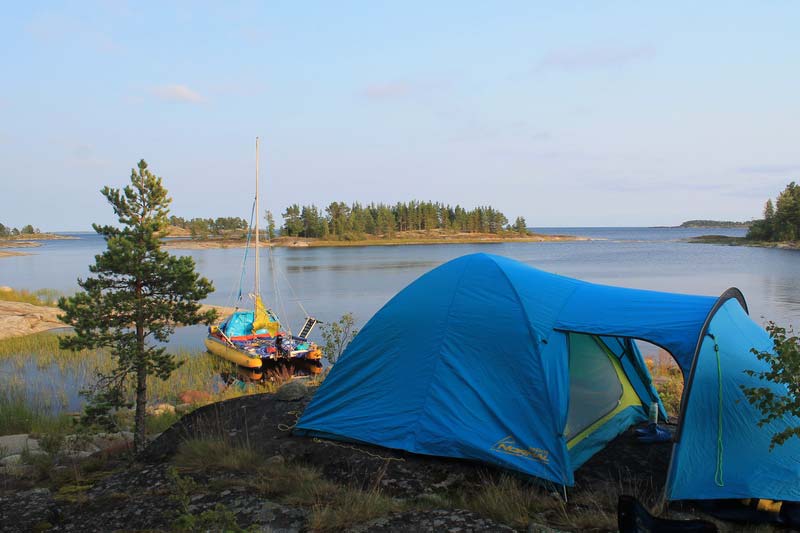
(329, 282)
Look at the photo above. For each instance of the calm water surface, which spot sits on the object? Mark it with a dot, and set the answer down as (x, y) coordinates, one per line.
(328, 282)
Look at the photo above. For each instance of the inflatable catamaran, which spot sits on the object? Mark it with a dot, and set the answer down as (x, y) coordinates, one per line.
(249, 338)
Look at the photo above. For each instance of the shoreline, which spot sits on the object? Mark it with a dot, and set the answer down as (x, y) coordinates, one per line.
(36, 237)
(18, 319)
(300, 242)
(6, 253)
(723, 240)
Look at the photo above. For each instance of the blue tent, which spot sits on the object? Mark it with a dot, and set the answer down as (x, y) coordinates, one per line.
(489, 359)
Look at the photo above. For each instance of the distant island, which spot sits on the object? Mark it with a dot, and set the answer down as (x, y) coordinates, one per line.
(398, 239)
(780, 227)
(25, 233)
(715, 224)
(341, 224)
(24, 237)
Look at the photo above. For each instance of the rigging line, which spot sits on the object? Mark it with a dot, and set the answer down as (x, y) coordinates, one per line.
(294, 294)
(244, 258)
(275, 294)
(283, 309)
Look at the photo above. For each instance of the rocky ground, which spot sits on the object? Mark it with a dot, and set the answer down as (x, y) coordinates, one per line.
(158, 491)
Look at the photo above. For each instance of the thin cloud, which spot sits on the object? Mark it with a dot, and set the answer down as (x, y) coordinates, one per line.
(595, 58)
(769, 169)
(178, 93)
(382, 91)
(637, 185)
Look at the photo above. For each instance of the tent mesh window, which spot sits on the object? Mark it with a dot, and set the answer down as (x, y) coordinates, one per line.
(594, 386)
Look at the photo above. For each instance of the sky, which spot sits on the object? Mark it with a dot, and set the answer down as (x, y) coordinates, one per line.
(566, 113)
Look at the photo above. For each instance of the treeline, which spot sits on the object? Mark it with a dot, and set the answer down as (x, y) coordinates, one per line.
(8, 231)
(714, 224)
(202, 228)
(342, 221)
(781, 220)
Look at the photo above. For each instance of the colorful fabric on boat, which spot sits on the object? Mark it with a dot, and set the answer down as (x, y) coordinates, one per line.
(263, 321)
(238, 324)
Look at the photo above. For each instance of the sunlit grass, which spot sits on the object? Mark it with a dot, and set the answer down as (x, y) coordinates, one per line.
(37, 297)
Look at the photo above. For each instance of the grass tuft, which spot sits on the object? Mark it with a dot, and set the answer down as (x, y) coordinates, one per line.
(350, 507)
(214, 454)
(511, 501)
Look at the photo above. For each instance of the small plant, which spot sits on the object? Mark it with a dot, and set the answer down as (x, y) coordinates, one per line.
(51, 442)
(784, 363)
(218, 519)
(337, 335)
(182, 489)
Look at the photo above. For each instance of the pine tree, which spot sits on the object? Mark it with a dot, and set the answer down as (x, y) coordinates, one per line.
(520, 226)
(270, 224)
(137, 296)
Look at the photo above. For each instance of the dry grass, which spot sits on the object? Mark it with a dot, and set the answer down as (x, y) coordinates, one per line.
(333, 507)
(509, 500)
(349, 507)
(596, 510)
(38, 297)
(215, 454)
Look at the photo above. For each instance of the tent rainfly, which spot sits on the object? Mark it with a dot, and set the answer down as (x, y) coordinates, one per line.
(489, 359)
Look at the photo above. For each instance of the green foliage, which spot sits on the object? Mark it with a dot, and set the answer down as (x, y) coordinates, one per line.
(270, 224)
(8, 231)
(784, 371)
(670, 390)
(342, 221)
(204, 227)
(714, 224)
(138, 294)
(219, 519)
(520, 226)
(17, 416)
(781, 221)
(337, 335)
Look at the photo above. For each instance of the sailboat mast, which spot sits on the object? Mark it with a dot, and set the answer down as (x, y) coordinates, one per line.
(258, 276)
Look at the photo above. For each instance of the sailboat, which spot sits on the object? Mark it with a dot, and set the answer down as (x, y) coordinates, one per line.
(251, 338)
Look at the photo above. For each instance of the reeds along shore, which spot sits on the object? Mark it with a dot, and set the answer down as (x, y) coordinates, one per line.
(39, 383)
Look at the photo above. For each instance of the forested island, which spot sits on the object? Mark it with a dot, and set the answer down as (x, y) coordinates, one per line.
(342, 224)
(24, 237)
(715, 224)
(780, 226)
(26, 233)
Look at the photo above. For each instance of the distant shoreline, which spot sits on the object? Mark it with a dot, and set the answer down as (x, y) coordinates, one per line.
(34, 237)
(724, 240)
(299, 242)
(8, 253)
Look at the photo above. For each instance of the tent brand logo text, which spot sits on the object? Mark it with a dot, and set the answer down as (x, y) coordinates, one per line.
(510, 447)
